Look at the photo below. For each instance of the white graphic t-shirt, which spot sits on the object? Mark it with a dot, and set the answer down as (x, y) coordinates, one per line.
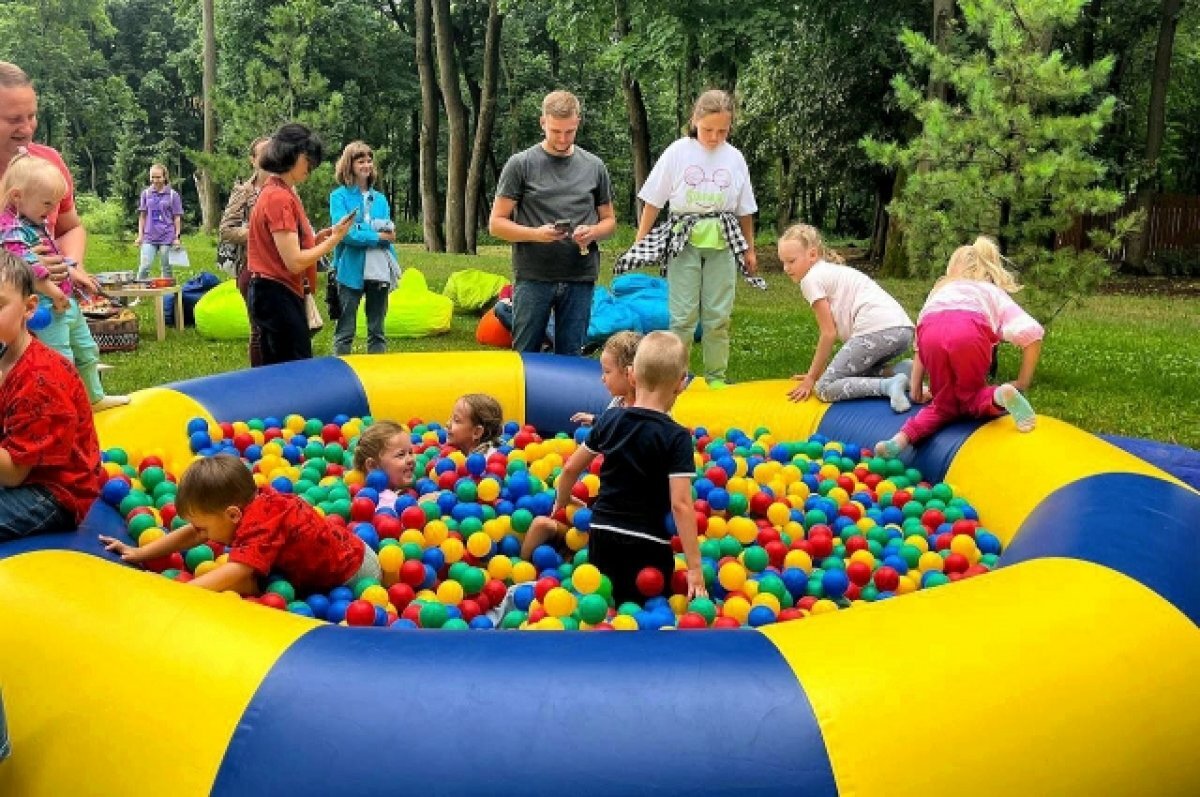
(692, 179)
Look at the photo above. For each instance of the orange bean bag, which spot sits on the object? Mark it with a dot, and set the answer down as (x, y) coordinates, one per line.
(490, 332)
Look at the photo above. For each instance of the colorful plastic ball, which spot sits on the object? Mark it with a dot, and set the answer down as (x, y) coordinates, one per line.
(40, 319)
(360, 613)
(650, 581)
(834, 582)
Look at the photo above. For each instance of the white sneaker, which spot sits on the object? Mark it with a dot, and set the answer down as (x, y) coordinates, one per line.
(102, 367)
(108, 402)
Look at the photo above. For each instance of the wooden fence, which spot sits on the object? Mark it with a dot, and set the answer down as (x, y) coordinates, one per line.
(1174, 223)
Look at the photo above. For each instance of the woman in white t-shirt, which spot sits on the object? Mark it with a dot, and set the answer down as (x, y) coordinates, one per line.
(852, 308)
(710, 232)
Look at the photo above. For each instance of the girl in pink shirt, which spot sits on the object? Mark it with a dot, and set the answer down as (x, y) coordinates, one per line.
(968, 312)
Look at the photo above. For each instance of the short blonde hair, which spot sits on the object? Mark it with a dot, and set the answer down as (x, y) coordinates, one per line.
(13, 76)
(981, 261)
(561, 105)
(661, 360)
(166, 172)
(211, 484)
(26, 172)
(374, 439)
(345, 164)
(623, 347)
(809, 237)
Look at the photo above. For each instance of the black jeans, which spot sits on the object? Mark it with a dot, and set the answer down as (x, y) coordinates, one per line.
(279, 315)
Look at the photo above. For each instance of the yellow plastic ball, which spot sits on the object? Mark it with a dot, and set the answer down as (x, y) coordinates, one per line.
(838, 495)
(623, 622)
(479, 544)
(390, 558)
(376, 595)
(930, 560)
(824, 606)
(864, 556)
(750, 588)
(799, 490)
(798, 558)
(413, 536)
(592, 482)
(549, 624)
(768, 600)
(732, 576)
(205, 567)
(449, 592)
(917, 541)
(738, 608)
(523, 571)
(488, 490)
(453, 548)
(778, 514)
(586, 579)
(743, 529)
(717, 528)
(559, 602)
(678, 604)
(963, 544)
(576, 540)
(905, 585)
(500, 567)
(435, 533)
(353, 477)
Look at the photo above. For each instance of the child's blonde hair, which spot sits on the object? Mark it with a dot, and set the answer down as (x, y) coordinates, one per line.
(26, 172)
(980, 261)
(210, 485)
(809, 237)
(485, 411)
(712, 101)
(623, 346)
(661, 360)
(166, 172)
(373, 440)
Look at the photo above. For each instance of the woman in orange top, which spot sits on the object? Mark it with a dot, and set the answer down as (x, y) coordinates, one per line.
(282, 249)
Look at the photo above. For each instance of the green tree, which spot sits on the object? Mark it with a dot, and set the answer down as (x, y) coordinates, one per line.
(1009, 152)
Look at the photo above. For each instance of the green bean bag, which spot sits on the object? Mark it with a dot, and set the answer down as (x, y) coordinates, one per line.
(221, 313)
(414, 311)
(473, 290)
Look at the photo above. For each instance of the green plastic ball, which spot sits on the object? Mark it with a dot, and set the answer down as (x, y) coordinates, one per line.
(592, 608)
(195, 556)
(283, 589)
(433, 615)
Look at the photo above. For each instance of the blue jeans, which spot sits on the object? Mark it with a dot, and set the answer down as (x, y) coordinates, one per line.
(534, 300)
(376, 294)
(151, 252)
(29, 509)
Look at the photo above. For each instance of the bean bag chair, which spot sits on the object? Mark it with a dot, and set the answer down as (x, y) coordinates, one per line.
(221, 313)
(647, 297)
(414, 311)
(491, 332)
(193, 290)
(610, 315)
(472, 290)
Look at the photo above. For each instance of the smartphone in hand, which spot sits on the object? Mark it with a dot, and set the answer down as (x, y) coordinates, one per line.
(348, 216)
(563, 226)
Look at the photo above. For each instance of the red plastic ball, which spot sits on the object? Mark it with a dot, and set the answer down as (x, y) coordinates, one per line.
(413, 517)
(767, 535)
(388, 526)
(726, 622)
(717, 476)
(964, 526)
(331, 433)
(412, 572)
(692, 620)
(759, 503)
(150, 462)
(495, 591)
(650, 582)
(537, 615)
(791, 613)
(932, 518)
(277, 601)
(900, 498)
(820, 544)
(776, 552)
(400, 594)
(542, 586)
(858, 572)
(806, 603)
(362, 509)
(172, 561)
(857, 543)
(360, 612)
(470, 609)
(956, 563)
(887, 579)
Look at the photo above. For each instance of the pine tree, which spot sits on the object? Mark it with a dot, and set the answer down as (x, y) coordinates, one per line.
(1008, 152)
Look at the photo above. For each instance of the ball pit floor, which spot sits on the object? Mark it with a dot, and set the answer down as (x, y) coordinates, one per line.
(787, 528)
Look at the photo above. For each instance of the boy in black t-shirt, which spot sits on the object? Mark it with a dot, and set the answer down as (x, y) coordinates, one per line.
(647, 472)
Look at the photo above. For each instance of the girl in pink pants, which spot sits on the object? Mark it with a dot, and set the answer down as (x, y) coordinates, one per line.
(968, 312)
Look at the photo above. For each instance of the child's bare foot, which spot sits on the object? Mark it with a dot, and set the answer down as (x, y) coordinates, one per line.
(108, 402)
(1018, 407)
(896, 388)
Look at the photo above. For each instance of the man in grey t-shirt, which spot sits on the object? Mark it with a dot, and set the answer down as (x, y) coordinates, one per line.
(553, 203)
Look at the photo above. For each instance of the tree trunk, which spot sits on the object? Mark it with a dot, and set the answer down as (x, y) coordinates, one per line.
(456, 117)
(483, 126)
(879, 234)
(1155, 127)
(430, 209)
(895, 256)
(204, 184)
(787, 195)
(414, 165)
(635, 107)
(943, 17)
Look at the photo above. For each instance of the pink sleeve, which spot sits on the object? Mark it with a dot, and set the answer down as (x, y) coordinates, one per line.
(1016, 326)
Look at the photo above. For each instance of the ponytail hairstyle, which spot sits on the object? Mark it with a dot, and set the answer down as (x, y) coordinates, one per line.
(487, 414)
(809, 237)
(374, 440)
(710, 102)
(981, 261)
(623, 346)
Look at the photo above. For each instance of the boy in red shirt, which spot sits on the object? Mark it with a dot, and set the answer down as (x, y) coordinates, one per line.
(266, 532)
(49, 457)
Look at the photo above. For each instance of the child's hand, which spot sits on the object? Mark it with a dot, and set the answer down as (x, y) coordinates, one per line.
(128, 553)
(583, 418)
(695, 583)
(61, 302)
(804, 389)
(919, 394)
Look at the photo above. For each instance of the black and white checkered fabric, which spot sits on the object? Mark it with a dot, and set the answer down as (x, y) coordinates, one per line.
(668, 238)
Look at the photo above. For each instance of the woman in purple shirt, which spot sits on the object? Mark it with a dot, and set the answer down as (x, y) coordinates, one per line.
(160, 217)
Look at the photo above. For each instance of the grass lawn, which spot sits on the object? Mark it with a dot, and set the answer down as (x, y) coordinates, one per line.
(1120, 364)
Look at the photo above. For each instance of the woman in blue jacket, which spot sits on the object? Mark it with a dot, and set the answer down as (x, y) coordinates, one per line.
(365, 261)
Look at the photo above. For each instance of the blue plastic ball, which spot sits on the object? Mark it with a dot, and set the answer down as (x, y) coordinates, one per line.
(40, 319)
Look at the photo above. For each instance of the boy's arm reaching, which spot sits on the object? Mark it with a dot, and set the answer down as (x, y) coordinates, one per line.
(180, 539)
(231, 575)
(685, 524)
(571, 472)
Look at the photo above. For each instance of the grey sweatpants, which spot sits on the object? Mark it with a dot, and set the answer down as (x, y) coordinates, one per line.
(855, 370)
